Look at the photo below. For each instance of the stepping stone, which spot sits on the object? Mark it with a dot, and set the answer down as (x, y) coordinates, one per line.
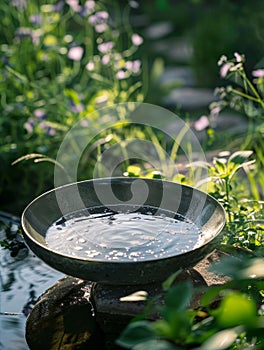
(158, 30)
(189, 98)
(176, 49)
(181, 74)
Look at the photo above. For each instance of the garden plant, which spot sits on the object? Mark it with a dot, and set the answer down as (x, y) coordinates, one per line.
(64, 60)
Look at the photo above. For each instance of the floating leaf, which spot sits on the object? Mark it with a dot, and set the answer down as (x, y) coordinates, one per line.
(140, 295)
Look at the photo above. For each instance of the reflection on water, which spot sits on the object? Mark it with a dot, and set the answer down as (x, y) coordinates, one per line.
(23, 278)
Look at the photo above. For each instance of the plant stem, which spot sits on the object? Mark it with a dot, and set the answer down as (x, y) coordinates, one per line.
(227, 198)
(249, 97)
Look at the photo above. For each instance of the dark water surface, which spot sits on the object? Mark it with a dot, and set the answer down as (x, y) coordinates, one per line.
(23, 278)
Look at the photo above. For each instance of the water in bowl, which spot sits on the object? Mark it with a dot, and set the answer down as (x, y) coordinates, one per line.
(105, 234)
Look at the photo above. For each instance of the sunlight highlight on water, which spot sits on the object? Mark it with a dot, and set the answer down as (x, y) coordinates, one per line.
(109, 235)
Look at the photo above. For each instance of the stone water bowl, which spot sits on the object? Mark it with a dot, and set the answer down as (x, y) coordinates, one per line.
(124, 195)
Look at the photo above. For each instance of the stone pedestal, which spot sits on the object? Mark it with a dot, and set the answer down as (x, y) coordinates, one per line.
(77, 314)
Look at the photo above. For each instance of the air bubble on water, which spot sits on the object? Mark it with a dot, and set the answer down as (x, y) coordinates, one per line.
(113, 252)
(70, 238)
(102, 245)
(78, 248)
(135, 254)
(120, 254)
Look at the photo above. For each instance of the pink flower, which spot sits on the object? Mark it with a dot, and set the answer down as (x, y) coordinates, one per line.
(258, 73)
(201, 123)
(133, 66)
(29, 125)
(75, 53)
(121, 74)
(105, 47)
(105, 59)
(215, 111)
(225, 69)
(98, 17)
(74, 4)
(40, 113)
(137, 40)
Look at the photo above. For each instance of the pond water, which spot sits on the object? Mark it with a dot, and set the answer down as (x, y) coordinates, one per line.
(105, 234)
(23, 278)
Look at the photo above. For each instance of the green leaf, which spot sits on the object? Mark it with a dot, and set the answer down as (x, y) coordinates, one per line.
(169, 281)
(136, 333)
(237, 160)
(239, 157)
(248, 268)
(163, 329)
(220, 165)
(155, 345)
(236, 309)
(179, 297)
(18, 75)
(210, 294)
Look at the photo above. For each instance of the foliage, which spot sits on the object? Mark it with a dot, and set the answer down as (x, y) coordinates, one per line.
(245, 94)
(59, 62)
(10, 237)
(230, 316)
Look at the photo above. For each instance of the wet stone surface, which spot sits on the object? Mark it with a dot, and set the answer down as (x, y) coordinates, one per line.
(81, 314)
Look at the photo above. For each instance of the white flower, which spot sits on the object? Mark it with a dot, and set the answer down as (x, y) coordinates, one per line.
(90, 66)
(238, 57)
(89, 6)
(222, 60)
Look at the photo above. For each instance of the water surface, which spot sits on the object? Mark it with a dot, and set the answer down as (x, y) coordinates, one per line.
(113, 235)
